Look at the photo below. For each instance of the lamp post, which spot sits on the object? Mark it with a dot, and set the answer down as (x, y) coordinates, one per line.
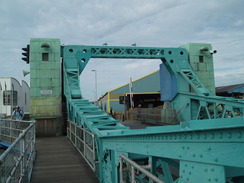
(95, 84)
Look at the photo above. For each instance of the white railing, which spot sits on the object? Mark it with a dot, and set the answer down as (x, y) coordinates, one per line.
(84, 141)
(133, 170)
(16, 162)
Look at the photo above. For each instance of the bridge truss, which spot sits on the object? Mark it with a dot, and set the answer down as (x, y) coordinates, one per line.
(207, 145)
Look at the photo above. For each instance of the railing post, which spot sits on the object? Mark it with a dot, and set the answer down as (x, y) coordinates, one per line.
(70, 129)
(93, 150)
(84, 144)
(121, 170)
(133, 179)
(22, 156)
(75, 135)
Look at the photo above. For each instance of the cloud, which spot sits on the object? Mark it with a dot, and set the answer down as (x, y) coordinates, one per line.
(154, 23)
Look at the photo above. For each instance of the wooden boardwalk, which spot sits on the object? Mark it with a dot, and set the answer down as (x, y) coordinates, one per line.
(57, 160)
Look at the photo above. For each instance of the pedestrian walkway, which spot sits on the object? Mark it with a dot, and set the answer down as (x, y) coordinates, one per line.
(57, 160)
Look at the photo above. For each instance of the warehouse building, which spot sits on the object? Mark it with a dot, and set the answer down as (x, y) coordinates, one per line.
(146, 94)
(13, 93)
(236, 91)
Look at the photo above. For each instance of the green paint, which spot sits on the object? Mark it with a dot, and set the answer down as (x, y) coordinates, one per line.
(45, 81)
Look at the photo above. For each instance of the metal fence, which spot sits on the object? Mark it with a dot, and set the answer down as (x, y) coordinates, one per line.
(84, 142)
(16, 162)
(130, 171)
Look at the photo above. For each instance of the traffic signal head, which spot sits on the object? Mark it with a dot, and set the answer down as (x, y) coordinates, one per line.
(26, 54)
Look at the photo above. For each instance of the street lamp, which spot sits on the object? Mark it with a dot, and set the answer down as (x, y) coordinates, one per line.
(95, 84)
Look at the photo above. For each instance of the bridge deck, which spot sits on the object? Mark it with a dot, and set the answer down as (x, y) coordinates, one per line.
(57, 160)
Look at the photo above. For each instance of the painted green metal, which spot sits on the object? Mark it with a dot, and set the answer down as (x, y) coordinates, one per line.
(208, 143)
(45, 81)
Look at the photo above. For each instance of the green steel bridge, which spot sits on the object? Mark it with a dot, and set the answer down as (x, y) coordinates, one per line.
(205, 146)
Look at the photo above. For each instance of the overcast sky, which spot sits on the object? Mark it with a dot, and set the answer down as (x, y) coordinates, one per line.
(161, 23)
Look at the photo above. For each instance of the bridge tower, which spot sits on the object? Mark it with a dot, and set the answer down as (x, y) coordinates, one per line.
(45, 90)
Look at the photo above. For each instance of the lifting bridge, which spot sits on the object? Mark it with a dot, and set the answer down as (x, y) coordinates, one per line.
(206, 146)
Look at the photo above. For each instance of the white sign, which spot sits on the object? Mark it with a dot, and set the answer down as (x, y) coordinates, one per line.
(46, 92)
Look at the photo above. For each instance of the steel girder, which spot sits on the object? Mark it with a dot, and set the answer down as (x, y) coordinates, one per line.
(207, 146)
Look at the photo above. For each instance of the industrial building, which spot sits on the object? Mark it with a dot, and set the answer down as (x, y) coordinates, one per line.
(146, 94)
(236, 91)
(12, 93)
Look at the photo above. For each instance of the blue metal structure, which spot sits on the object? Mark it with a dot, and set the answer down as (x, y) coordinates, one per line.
(207, 145)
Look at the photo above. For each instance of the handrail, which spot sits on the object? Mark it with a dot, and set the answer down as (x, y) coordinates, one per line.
(134, 166)
(16, 162)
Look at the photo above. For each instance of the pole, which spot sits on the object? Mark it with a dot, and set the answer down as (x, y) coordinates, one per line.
(95, 85)
(131, 95)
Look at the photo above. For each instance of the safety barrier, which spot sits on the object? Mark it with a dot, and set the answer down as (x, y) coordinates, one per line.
(16, 162)
(83, 141)
(133, 170)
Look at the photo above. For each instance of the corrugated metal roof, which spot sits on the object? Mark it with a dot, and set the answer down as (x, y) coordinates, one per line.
(237, 88)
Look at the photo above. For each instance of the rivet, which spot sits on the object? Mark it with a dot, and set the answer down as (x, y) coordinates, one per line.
(201, 155)
(205, 170)
(209, 149)
(216, 159)
(212, 169)
(229, 135)
(194, 155)
(239, 134)
(220, 135)
(209, 179)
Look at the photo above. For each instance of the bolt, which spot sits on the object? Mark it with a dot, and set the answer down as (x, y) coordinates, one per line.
(220, 135)
(229, 135)
(239, 134)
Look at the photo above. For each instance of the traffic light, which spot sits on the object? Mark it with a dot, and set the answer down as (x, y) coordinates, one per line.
(26, 54)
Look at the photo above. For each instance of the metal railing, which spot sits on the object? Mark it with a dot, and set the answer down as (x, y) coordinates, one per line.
(133, 171)
(16, 162)
(84, 141)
